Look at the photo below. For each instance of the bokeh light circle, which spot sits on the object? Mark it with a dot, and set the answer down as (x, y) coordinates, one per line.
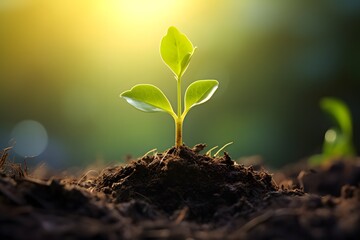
(31, 138)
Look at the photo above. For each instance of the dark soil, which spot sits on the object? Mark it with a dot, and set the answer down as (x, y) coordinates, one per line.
(326, 179)
(178, 194)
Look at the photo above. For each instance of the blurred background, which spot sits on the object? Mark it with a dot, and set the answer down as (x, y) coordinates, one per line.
(63, 64)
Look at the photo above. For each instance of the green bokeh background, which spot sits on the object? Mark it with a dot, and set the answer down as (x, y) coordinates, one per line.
(64, 63)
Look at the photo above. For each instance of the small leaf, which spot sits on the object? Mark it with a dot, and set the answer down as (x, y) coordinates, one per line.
(148, 98)
(199, 92)
(339, 111)
(337, 145)
(176, 51)
(338, 140)
(185, 62)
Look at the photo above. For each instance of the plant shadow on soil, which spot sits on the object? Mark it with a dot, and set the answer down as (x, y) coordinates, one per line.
(183, 194)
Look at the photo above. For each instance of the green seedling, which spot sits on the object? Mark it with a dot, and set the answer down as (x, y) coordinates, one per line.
(208, 153)
(176, 51)
(338, 139)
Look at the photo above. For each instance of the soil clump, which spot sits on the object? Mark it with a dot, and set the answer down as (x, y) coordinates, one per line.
(177, 194)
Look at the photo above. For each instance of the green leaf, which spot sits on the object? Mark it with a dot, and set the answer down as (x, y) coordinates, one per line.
(338, 140)
(185, 62)
(199, 92)
(176, 51)
(339, 111)
(148, 98)
(336, 144)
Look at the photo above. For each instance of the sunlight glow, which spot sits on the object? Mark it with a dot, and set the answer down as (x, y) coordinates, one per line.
(145, 10)
(144, 13)
(138, 22)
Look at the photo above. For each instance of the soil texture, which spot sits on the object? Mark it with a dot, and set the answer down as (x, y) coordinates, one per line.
(180, 194)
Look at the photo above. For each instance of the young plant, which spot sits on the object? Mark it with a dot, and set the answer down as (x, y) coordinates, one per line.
(176, 51)
(338, 139)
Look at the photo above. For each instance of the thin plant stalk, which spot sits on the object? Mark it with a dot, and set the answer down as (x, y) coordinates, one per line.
(178, 120)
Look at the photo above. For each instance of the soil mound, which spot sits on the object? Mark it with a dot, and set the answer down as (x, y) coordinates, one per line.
(184, 180)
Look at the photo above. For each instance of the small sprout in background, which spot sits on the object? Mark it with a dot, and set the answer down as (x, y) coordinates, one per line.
(338, 140)
(208, 153)
(154, 151)
(176, 51)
